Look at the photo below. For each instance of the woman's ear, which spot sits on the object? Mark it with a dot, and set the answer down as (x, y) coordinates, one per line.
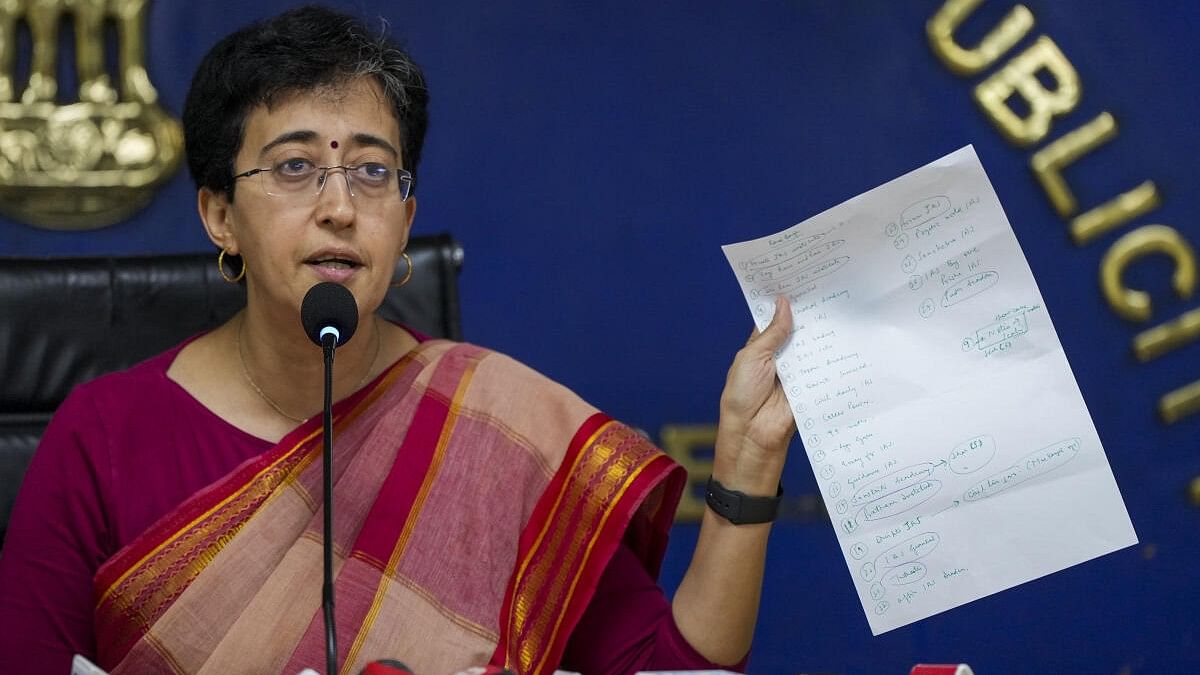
(217, 215)
(408, 221)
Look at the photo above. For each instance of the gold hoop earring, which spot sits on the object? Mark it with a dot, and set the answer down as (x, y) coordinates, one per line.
(221, 269)
(408, 274)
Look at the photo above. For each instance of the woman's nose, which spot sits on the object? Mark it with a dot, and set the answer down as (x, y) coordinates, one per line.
(335, 198)
(324, 178)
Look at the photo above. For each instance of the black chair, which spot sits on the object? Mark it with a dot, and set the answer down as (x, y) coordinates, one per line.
(64, 321)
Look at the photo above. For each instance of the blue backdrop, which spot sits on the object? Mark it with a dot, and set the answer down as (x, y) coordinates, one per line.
(592, 158)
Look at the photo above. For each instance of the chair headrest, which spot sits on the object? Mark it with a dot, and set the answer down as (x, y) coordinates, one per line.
(64, 321)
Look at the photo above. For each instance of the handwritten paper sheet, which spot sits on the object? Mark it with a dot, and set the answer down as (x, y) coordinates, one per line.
(949, 439)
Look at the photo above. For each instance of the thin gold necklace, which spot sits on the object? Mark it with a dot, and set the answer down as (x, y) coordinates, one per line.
(263, 395)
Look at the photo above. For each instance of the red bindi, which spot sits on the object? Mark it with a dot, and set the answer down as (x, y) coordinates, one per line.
(333, 144)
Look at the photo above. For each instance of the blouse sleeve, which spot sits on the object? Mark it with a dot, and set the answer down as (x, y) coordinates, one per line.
(54, 544)
(628, 627)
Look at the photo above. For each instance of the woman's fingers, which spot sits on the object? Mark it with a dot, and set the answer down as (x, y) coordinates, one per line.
(776, 332)
(752, 375)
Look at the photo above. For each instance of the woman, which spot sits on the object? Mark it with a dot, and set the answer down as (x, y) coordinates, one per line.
(171, 519)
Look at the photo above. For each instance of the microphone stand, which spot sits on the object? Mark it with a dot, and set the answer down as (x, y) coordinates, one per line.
(329, 315)
(328, 342)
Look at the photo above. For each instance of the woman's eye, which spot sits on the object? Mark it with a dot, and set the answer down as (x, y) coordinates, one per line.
(294, 167)
(374, 171)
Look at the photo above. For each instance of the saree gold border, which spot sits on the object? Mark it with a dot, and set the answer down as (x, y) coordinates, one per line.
(197, 555)
(593, 502)
(597, 504)
(601, 505)
(188, 530)
(520, 605)
(183, 531)
(261, 497)
(586, 555)
(129, 607)
(579, 493)
(558, 500)
(402, 542)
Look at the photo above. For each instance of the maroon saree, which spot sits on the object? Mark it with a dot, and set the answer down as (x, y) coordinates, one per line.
(477, 505)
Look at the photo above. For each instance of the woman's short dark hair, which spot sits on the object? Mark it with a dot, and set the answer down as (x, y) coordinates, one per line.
(301, 50)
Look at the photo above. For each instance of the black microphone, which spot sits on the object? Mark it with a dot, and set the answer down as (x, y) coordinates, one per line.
(329, 315)
(329, 309)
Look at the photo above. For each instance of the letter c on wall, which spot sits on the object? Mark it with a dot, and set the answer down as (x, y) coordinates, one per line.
(1133, 304)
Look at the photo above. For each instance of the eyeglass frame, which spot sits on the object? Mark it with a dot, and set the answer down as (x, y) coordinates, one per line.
(404, 177)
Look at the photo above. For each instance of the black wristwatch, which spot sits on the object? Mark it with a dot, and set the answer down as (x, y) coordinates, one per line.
(740, 508)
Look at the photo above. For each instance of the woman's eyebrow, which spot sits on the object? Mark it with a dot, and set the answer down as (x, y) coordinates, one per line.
(376, 141)
(307, 136)
(301, 135)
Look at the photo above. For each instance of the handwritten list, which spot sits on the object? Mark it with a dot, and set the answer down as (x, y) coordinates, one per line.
(947, 433)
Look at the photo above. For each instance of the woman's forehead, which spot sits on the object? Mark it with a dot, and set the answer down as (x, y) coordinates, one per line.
(330, 113)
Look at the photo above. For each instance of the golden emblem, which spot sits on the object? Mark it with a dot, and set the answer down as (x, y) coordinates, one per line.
(89, 163)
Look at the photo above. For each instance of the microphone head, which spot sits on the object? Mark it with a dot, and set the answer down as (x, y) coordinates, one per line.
(329, 305)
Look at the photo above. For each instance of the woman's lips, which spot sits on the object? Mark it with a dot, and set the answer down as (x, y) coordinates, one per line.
(336, 271)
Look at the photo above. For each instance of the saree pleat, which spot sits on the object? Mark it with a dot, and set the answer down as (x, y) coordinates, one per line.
(477, 505)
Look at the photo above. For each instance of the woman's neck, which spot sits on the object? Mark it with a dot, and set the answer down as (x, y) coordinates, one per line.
(286, 370)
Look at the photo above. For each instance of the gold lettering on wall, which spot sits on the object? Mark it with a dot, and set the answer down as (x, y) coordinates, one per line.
(1176, 405)
(1132, 304)
(1020, 76)
(963, 61)
(1049, 162)
(90, 162)
(1115, 212)
(1153, 343)
(1024, 76)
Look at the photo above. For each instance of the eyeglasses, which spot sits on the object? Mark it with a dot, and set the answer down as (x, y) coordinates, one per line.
(302, 181)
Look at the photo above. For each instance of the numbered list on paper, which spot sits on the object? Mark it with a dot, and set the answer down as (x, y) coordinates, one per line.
(947, 433)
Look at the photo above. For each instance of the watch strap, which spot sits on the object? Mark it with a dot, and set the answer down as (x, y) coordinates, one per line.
(740, 508)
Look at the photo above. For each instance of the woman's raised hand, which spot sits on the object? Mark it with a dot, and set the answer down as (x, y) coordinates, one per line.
(756, 423)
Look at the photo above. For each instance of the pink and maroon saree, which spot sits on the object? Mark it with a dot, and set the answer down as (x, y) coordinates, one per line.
(477, 505)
